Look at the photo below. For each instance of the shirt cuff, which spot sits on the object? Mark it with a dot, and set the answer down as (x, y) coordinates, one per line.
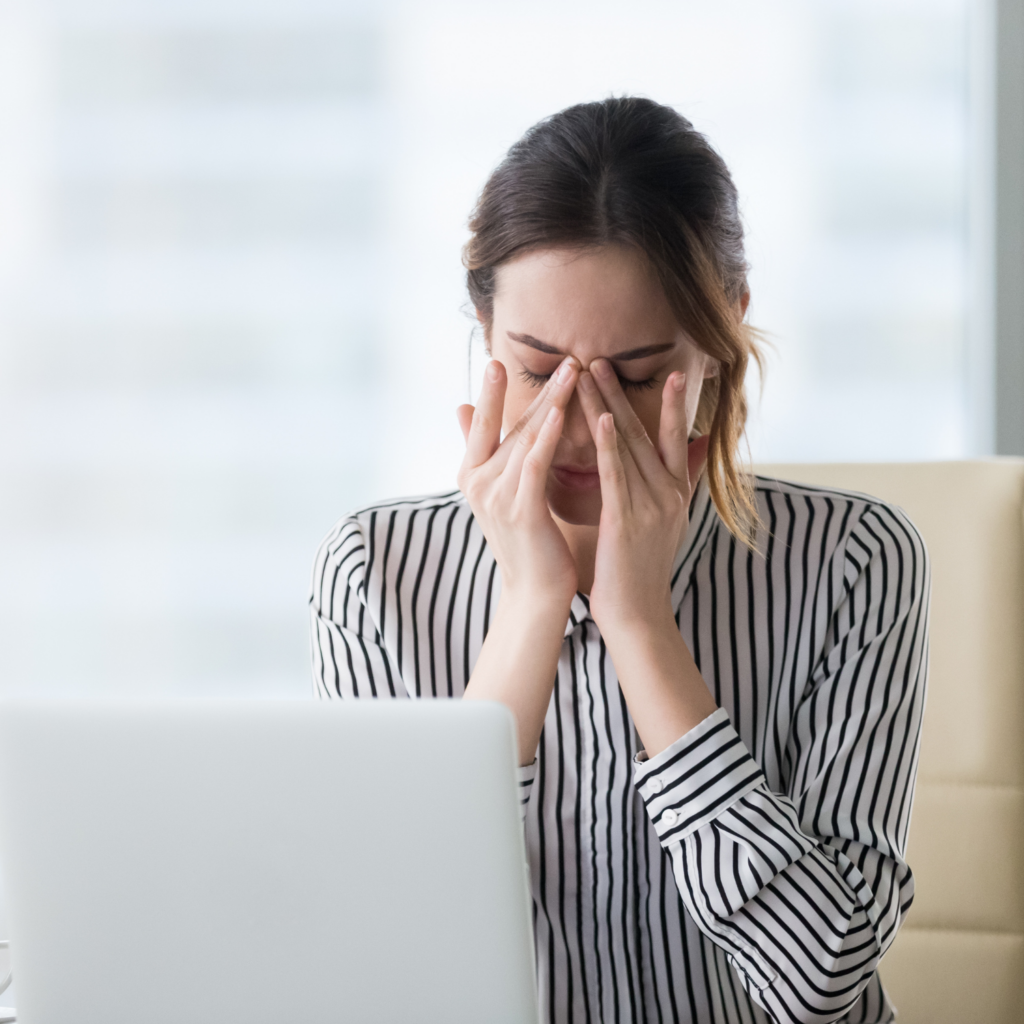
(695, 779)
(525, 775)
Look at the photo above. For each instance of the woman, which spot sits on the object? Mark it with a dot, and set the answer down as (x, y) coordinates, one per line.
(717, 679)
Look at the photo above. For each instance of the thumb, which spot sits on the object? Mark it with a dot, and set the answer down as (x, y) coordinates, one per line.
(464, 413)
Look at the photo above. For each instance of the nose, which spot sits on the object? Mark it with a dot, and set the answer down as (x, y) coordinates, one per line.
(575, 431)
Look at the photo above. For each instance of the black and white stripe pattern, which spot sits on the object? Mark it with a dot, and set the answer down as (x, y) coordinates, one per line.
(752, 871)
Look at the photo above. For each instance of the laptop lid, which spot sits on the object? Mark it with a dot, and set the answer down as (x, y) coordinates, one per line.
(264, 861)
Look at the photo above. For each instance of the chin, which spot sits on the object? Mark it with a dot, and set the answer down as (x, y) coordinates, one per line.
(578, 508)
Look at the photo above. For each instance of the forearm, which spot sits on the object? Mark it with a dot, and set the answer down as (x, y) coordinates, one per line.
(795, 917)
(518, 662)
(808, 941)
(663, 687)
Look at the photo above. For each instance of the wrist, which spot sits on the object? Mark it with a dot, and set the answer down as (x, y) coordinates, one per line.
(536, 608)
(661, 683)
(519, 661)
(638, 623)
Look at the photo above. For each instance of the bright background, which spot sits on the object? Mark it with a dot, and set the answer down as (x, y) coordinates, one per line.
(232, 306)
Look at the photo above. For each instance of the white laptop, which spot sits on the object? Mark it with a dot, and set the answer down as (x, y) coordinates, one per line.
(242, 862)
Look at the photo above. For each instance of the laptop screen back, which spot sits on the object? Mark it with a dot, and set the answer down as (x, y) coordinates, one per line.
(250, 861)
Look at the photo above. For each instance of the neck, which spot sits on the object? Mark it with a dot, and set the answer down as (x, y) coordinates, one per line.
(582, 541)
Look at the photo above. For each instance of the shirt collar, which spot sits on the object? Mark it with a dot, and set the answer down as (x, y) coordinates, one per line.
(703, 518)
(579, 611)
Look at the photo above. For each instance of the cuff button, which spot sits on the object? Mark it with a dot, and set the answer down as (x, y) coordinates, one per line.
(669, 817)
(657, 784)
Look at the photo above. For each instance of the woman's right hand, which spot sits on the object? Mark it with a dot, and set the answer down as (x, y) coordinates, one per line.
(505, 483)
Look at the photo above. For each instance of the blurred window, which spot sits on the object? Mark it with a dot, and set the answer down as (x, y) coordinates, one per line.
(232, 307)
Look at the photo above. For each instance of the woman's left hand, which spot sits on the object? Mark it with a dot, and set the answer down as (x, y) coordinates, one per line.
(645, 499)
(645, 505)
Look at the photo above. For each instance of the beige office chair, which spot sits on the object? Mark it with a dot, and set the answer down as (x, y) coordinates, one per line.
(960, 957)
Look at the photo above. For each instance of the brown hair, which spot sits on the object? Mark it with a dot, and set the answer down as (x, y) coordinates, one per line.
(633, 172)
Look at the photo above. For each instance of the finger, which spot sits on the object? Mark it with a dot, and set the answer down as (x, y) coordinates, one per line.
(614, 486)
(484, 433)
(590, 400)
(533, 479)
(593, 408)
(464, 414)
(557, 393)
(627, 423)
(673, 429)
(518, 444)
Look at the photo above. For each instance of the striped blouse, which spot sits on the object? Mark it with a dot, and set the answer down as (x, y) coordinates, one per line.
(752, 871)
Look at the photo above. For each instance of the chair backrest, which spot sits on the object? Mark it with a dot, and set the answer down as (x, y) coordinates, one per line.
(960, 957)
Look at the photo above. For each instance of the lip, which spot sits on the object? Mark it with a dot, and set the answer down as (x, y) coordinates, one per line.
(578, 478)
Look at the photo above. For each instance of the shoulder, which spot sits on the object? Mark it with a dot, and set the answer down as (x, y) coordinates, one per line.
(361, 538)
(770, 489)
(854, 519)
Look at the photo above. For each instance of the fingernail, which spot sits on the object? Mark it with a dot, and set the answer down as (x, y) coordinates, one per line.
(586, 382)
(607, 423)
(492, 372)
(601, 368)
(553, 414)
(564, 372)
(679, 381)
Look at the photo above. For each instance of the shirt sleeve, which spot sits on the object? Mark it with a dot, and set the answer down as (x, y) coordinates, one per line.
(805, 889)
(350, 658)
(349, 655)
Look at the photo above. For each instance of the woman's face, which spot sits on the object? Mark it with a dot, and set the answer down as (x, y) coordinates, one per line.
(602, 303)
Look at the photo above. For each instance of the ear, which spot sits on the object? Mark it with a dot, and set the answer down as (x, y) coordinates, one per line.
(482, 320)
(711, 367)
(744, 303)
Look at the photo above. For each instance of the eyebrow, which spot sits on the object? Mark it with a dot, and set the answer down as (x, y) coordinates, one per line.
(619, 357)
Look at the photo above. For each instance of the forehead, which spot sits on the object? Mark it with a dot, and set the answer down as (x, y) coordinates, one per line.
(605, 300)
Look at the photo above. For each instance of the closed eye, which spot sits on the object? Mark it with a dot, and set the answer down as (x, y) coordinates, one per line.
(538, 380)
